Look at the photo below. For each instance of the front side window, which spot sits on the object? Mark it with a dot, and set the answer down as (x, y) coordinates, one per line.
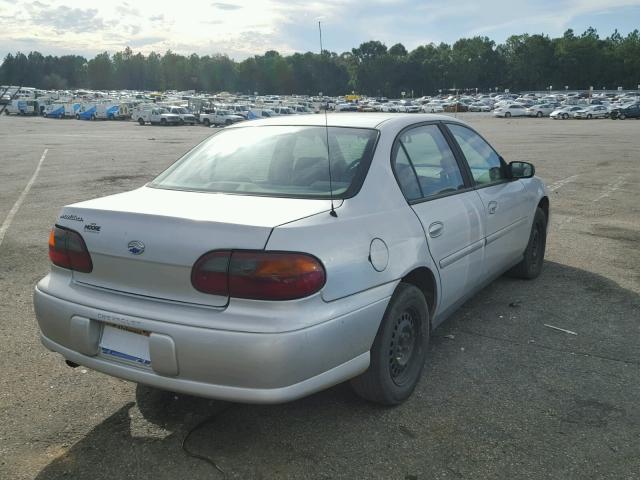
(424, 163)
(289, 161)
(485, 164)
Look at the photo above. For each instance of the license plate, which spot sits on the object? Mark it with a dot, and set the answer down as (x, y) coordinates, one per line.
(126, 344)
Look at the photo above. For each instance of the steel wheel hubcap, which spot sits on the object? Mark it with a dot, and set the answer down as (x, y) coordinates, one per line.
(535, 247)
(403, 345)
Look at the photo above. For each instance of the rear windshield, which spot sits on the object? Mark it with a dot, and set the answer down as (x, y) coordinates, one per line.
(278, 161)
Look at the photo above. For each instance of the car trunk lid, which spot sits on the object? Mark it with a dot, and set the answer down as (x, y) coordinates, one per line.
(145, 242)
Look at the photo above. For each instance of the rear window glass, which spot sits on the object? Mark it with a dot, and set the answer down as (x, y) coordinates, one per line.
(275, 161)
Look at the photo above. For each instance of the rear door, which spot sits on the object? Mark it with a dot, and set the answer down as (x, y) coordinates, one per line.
(442, 198)
(506, 214)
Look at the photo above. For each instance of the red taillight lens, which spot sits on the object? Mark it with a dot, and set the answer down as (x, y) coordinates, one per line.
(68, 250)
(258, 275)
(274, 276)
(209, 274)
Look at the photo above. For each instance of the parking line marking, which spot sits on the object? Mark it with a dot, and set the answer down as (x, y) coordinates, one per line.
(561, 183)
(611, 187)
(16, 206)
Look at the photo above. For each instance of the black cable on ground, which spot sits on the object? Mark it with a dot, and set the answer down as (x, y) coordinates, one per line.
(199, 456)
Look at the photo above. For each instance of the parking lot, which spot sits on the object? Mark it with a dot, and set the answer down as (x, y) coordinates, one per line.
(502, 397)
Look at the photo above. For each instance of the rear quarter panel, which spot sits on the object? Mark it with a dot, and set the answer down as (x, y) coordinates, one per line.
(378, 211)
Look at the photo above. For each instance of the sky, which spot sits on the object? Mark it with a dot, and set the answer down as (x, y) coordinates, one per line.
(242, 28)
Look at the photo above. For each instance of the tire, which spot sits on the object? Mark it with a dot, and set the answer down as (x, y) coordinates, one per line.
(93, 117)
(395, 368)
(141, 121)
(565, 116)
(77, 116)
(589, 117)
(181, 121)
(206, 122)
(531, 264)
(507, 115)
(539, 114)
(228, 122)
(163, 122)
(621, 116)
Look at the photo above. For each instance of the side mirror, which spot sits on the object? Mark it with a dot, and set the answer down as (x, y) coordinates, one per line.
(521, 170)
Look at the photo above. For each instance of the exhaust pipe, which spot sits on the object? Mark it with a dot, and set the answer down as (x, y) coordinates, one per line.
(71, 364)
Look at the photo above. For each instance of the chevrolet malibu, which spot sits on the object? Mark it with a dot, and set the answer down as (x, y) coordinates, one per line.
(282, 256)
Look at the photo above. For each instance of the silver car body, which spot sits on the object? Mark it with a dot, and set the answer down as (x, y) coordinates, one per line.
(265, 351)
(510, 110)
(592, 111)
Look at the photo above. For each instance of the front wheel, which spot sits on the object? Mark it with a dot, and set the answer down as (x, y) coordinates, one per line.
(507, 115)
(206, 122)
(539, 114)
(531, 264)
(621, 116)
(565, 116)
(399, 349)
(589, 117)
(141, 121)
(163, 122)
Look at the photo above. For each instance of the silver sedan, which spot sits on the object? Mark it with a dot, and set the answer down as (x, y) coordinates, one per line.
(282, 256)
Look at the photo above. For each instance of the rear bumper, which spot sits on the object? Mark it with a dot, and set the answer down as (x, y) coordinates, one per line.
(221, 364)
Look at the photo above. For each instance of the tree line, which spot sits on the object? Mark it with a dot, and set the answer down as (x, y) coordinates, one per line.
(522, 62)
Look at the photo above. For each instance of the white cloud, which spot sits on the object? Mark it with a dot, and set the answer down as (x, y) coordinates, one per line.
(242, 28)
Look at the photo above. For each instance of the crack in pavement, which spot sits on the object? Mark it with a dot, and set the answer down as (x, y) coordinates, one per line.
(548, 347)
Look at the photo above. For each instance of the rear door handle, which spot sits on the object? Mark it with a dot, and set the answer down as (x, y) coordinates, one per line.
(492, 207)
(436, 229)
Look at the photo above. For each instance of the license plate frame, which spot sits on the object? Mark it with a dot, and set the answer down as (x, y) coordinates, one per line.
(126, 344)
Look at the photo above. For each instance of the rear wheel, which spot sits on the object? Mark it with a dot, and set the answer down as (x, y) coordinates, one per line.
(622, 116)
(399, 349)
(539, 114)
(206, 122)
(531, 264)
(228, 122)
(93, 117)
(565, 116)
(141, 121)
(163, 122)
(589, 116)
(507, 115)
(77, 116)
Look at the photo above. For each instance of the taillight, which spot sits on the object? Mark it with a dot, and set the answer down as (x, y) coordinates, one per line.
(258, 275)
(68, 250)
(209, 274)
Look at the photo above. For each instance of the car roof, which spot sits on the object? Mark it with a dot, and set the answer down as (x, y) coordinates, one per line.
(358, 120)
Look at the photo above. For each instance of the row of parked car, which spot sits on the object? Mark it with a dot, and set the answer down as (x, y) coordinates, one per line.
(149, 113)
(565, 112)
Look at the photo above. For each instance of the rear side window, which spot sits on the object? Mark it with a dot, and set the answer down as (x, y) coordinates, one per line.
(424, 164)
(485, 164)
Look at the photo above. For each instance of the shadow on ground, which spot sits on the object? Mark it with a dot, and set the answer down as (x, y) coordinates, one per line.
(503, 396)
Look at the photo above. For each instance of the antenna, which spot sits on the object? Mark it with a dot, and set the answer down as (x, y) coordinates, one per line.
(326, 130)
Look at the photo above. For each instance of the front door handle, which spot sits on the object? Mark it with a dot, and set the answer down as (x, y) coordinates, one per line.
(436, 229)
(492, 207)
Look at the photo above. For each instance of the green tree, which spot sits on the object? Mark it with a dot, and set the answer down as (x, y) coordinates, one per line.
(100, 72)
